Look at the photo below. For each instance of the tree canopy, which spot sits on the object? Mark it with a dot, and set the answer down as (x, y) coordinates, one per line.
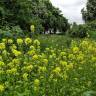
(89, 14)
(24, 13)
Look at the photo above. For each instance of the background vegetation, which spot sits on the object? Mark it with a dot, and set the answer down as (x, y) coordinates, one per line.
(18, 15)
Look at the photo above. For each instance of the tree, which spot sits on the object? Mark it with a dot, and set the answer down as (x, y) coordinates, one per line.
(25, 13)
(90, 13)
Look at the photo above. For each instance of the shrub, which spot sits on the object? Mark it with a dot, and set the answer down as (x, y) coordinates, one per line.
(78, 31)
(13, 32)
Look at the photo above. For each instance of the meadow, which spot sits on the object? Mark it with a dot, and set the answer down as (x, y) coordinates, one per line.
(42, 53)
(47, 66)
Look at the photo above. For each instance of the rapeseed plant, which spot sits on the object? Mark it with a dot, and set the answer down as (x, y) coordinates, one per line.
(19, 41)
(67, 71)
(1, 88)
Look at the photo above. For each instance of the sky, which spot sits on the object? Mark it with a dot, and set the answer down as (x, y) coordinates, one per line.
(71, 9)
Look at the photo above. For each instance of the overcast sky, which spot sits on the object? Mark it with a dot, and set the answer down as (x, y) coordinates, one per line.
(71, 9)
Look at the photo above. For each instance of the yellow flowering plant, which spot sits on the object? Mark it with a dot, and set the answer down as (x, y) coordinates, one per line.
(53, 72)
(1, 88)
(32, 28)
(19, 41)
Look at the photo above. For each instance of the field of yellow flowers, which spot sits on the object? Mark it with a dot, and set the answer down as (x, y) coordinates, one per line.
(27, 71)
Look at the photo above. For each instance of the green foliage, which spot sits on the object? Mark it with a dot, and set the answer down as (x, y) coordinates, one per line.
(55, 41)
(91, 28)
(91, 25)
(13, 32)
(89, 93)
(25, 13)
(85, 30)
(78, 31)
(90, 13)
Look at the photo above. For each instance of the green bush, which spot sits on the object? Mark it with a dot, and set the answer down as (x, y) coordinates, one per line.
(91, 29)
(78, 31)
(91, 26)
(11, 32)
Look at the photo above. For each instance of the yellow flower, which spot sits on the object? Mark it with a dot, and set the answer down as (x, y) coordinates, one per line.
(65, 76)
(4, 40)
(80, 68)
(1, 72)
(9, 41)
(62, 53)
(84, 44)
(19, 41)
(36, 85)
(35, 57)
(47, 49)
(13, 46)
(2, 88)
(32, 28)
(71, 56)
(2, 46)
(31, 52)
(52, 51)
(36, 42)
(32, 47)
(93, 59)
(57, 70)
(70, 66)
(75, 49)
(53, 55)
(16, 61)
(28, 41)
(50, 56)
(42, 69)
(4, 52)
(16, 52)
(90, 48)
(28, 68)
(55, 80)
(36, 82)
(1, 64)
(45, 61)
(76, 79)
(25, 76)
(63, 63)
(12, 71)
(80, 57)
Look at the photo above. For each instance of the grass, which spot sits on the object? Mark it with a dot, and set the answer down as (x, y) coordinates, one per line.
(59, 41)
(55, 41)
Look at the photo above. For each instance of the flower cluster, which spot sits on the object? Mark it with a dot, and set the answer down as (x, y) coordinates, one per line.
(27, 70)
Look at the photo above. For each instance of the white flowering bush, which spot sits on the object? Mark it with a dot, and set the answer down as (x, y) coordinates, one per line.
(27, 71)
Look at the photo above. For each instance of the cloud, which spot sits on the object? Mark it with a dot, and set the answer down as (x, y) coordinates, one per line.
(71, 9)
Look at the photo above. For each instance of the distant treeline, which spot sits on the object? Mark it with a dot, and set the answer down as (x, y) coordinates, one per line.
(89, 16)
(18, 15)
